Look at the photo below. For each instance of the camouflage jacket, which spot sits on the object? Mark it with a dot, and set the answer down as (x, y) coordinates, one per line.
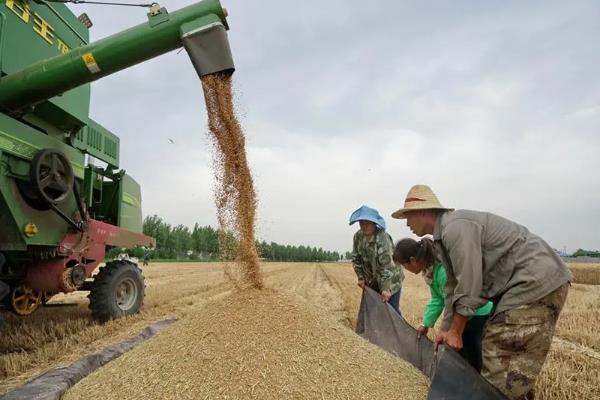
(372, 262)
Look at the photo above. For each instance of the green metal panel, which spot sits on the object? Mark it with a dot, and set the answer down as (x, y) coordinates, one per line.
(16, 213)
(34, 32)
(18, 144)
(99, 142)
(130, 213)
(1, 40)
(114, 53)
(23, 141)
(11, 237)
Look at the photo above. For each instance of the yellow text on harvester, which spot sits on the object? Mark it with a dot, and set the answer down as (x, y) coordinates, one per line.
(40, 26)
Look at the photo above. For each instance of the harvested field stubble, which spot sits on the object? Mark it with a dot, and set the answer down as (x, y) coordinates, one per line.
(57, 336)
(255, 344)
(312, 285)
(568, 374)
(571, 371)
(580, 319)
(585, 273)
(415, 293)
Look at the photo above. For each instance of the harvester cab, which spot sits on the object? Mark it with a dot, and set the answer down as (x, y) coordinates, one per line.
(64, 199)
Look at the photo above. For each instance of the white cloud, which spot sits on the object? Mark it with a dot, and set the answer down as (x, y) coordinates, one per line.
(495, 105)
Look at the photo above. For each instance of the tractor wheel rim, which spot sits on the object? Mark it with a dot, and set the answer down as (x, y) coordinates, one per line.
(126, 294)
(25, 300)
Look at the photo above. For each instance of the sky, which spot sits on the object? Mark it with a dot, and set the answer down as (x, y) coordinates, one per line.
(495, 105)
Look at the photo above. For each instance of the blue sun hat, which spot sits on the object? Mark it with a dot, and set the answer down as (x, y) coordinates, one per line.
(368, 214)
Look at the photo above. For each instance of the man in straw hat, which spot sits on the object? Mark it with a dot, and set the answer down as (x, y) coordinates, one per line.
(488, 257)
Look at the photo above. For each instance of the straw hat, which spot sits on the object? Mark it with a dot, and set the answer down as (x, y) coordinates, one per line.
(420, 197)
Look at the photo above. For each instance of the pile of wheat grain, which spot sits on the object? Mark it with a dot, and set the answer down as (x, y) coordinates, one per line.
(57, 336)
(255, 344)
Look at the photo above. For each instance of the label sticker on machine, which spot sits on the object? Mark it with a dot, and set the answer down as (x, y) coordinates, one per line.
(90, 63)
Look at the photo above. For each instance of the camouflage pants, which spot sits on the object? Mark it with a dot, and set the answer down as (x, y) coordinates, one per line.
(516, 342)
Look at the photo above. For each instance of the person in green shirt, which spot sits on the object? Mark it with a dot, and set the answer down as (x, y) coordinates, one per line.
(419, 257)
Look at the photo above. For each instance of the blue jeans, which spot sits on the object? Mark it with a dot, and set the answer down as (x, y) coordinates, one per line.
(395, 301)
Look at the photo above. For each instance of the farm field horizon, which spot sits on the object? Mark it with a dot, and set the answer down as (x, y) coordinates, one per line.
(324, 298)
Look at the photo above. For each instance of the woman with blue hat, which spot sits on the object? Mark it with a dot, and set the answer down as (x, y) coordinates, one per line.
(372, 253)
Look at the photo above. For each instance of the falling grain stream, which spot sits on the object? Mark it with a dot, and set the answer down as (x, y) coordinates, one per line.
(235, 197)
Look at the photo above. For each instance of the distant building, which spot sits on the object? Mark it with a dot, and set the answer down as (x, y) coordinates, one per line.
(561, 253)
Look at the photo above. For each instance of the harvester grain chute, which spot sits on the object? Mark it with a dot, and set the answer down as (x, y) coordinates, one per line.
(59, 211)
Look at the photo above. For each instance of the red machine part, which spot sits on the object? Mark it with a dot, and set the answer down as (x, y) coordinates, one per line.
(86, 249)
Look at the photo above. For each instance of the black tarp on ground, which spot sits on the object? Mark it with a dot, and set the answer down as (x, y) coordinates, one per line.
(53, 384)
(452, 378)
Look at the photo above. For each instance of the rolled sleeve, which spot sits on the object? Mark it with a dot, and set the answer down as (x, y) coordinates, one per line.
(462, 239)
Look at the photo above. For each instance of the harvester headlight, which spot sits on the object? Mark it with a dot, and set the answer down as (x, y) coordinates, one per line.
(30, 230)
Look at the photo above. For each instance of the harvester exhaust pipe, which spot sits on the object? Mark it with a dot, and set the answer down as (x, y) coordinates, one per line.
(208, 48)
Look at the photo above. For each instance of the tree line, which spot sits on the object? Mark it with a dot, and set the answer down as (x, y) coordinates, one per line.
(586, 253)
(278, 252)
(202, 243)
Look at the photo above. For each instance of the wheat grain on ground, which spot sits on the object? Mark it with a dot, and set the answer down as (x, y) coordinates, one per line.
(260, 344)
(57, 336)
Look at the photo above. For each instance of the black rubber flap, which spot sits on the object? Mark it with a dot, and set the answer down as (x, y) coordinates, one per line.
(53, 384)
(451, 377)
(208, 48)
(380, 324)
(455, 379)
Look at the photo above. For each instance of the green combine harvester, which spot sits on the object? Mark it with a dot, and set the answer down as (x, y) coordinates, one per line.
(61, 208)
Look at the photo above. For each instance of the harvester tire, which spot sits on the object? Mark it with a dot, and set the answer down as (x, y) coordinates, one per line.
(117, 291)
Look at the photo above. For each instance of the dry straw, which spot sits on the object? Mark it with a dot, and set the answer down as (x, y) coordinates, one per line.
(584, 273)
